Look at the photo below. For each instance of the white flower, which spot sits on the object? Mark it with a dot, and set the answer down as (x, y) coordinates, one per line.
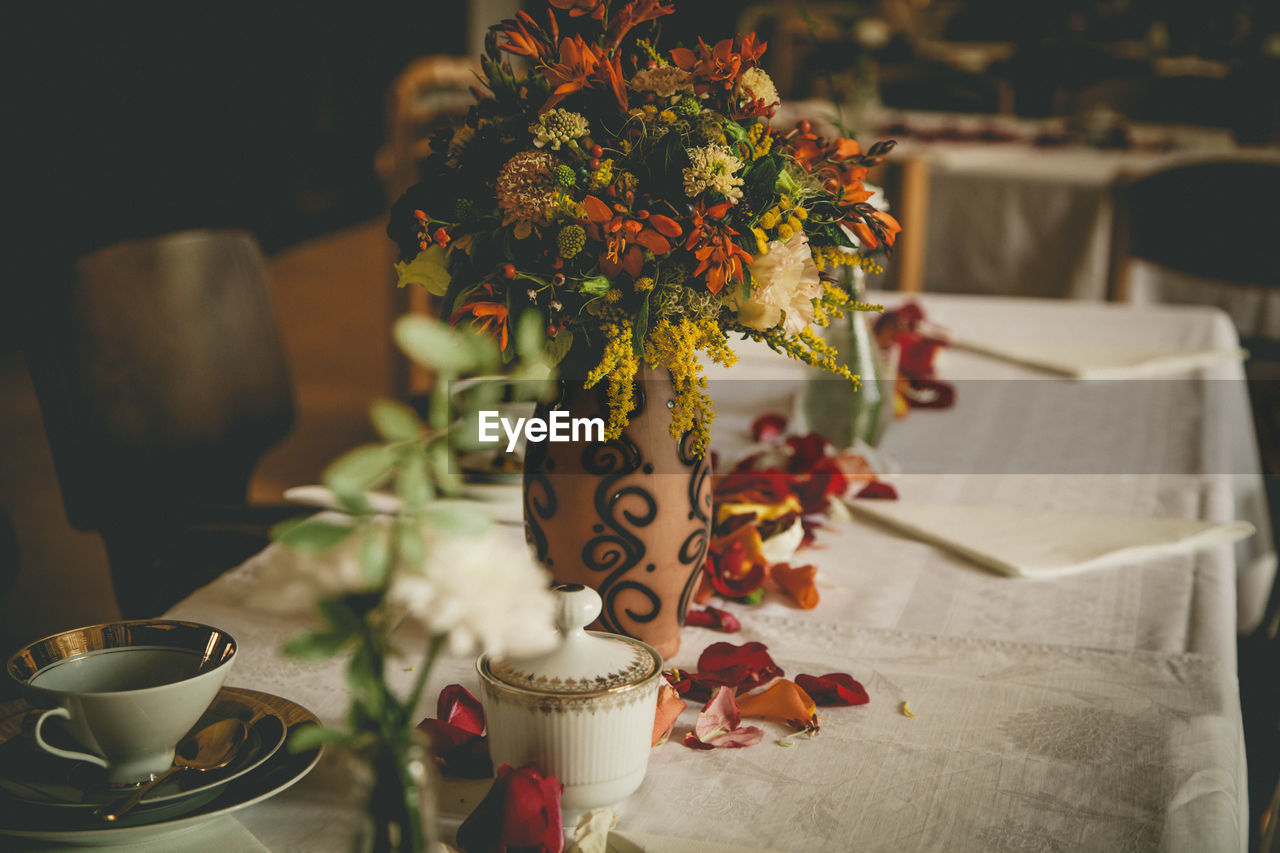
(712, 168)
(872, 32)
(664, 82)
(484, 591)
(786, 283)
(756, 85)
(557, 127)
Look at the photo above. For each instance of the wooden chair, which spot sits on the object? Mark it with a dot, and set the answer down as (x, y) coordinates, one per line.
(162, 381)
(432, 92)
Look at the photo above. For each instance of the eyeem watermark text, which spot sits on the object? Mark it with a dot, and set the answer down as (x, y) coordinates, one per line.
(560, 426)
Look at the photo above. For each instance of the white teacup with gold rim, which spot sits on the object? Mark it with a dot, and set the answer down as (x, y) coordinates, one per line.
(127, 692)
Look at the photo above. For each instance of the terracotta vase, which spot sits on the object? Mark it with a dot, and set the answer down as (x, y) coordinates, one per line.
(630, 517)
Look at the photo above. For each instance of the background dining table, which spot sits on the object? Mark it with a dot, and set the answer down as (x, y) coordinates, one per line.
(1097, 710)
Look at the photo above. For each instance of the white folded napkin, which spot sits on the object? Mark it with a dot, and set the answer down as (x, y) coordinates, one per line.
(1091, 362)
(500, 502)
(1036, 544)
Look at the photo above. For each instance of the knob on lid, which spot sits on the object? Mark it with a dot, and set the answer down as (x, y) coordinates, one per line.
(584, 661)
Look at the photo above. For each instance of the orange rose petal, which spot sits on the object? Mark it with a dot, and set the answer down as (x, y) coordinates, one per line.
(797, 582)
(705, 590)
(749, 536)
(670, 705)
(783, 701)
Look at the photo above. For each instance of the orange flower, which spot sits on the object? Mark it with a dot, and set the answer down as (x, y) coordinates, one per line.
(625, 235)
(488, 315)
(718, 67)
(582, 65)
(798, 583)
(873, 227)
(783, 701)
(578, 8)
(712, 244)
(622, 20)
(526, 38)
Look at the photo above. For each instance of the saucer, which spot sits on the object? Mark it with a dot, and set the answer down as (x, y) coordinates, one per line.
(59, 825)
(34, 776)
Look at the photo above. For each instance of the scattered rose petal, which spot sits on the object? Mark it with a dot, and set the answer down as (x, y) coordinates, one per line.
(767, 428)
(715, 619)
(741, 667)
(797, 582)
(718, 725)
(458, 707)
(878, 489)
(458, 744)
(836, 688)
(670, 706)
(783, 701)
(737, 571)
(521, 811)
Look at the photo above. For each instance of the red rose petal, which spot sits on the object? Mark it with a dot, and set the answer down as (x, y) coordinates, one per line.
(836, 688)
(768, 428)
(715, 619)
(878, 489)
(458, 707)
(521, 811)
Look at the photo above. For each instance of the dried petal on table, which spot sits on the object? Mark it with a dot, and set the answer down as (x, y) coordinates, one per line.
(783, 701)
(737, 570)
(834, 688)
(797, 582)
(878, 489)
(718, 725)
(458, 707)
(521, 811)
(670, 706)
(715, 619)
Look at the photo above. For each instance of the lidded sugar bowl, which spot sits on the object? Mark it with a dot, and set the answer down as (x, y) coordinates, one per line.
(582, 712)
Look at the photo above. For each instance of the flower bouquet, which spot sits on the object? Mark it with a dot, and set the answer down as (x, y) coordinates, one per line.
(639, 201)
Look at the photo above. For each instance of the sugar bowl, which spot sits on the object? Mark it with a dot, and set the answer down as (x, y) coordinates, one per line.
(583, 712)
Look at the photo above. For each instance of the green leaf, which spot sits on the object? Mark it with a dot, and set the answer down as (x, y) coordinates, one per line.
(395, 421)
(375, 557)
(443, 470)
(429, 270)
(555, 349)
(412, 548)
(355, 471)
(317, 645)
(597, 285)
(309, 737)
(412, 483)
(310, 535)
(530, 337)
(432, 343)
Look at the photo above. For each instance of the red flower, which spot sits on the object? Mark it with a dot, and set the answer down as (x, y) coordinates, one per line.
(715, 619)
(836, 688)
(457, 737)
(521, 813)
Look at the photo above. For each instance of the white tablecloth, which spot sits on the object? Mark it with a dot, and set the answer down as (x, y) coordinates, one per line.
(1098, 711)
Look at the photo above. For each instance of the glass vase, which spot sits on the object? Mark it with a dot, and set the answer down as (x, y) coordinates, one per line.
(394, 787)
(844, 415)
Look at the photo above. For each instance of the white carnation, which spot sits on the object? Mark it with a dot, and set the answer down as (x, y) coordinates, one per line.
(756, 85)
(785, 284)
(712, 167)
(664, 82)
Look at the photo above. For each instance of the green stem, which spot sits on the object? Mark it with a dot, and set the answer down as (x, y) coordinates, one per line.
(420, 682)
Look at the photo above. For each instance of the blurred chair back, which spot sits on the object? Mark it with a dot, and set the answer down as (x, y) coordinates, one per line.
(1213, 219)
(431, 93)
(162, 381)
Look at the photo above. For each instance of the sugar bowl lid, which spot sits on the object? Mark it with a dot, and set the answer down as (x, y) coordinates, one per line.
(584, 662)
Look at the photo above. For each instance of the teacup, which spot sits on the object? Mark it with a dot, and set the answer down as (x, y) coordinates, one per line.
(127, 692)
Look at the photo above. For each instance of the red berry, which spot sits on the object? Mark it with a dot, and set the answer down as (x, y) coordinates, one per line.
(597, 151)
(594, 163)
(558, 279)
(508, 270)
(557, 263)
(803, 126)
